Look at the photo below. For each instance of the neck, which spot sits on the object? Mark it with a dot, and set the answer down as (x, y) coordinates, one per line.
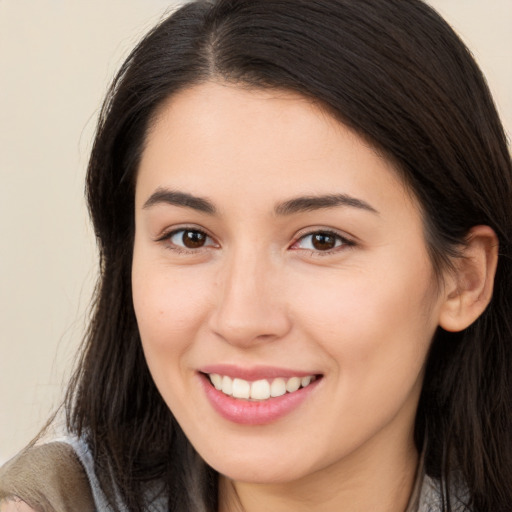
(380, 480)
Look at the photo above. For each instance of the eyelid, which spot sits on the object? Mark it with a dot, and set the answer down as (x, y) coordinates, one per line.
(346, 240)
(166, 235)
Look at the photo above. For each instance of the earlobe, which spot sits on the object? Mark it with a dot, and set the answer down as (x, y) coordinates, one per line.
(469, 287)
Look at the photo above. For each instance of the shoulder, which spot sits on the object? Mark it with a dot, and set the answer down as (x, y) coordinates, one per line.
(45, 477)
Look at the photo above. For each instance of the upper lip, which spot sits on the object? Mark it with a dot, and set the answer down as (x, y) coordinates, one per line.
(254, 373)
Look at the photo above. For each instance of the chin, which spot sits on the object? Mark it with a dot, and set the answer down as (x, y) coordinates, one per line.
(259, 470)
(252, 474)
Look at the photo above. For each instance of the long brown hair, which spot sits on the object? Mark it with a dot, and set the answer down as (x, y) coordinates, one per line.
(398, 75)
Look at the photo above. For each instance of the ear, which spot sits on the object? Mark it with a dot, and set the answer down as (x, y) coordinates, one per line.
(468, 289)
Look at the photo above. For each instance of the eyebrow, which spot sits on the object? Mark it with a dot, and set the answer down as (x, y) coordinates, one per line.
(311, 203)
(290, 207)
(183, 199)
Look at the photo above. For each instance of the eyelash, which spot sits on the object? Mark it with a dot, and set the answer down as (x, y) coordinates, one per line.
(166, 238)
(344, 242)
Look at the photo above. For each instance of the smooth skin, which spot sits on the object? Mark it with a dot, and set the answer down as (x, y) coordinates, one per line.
(229, 267)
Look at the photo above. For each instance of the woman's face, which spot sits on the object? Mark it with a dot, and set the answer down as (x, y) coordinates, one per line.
(277, 255)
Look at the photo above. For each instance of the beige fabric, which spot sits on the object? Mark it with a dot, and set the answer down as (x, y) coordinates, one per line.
(49, 478)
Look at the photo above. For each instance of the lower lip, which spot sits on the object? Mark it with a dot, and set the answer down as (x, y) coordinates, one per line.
(246, 412)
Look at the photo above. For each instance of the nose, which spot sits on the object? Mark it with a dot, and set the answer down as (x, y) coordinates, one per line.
(250, 305)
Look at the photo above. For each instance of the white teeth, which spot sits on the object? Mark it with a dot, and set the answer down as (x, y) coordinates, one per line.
(259, 389)
(227, 385)
(241, 388)
(216, 380)
(305, 381)
(278, 387)
(293, 384)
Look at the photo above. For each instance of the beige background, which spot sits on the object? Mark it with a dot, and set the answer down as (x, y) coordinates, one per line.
(56, 59)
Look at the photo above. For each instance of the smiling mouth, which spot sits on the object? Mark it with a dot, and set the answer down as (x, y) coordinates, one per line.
(259, 390)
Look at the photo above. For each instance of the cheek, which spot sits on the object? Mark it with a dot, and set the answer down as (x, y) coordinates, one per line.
(170, 306)
(375, 324)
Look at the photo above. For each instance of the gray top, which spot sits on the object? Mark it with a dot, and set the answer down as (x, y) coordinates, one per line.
(426, 496)
(158, 504)
(85, 456)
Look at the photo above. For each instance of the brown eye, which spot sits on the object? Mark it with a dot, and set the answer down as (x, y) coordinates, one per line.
(190, 239)
(193, 239)
(323, 241)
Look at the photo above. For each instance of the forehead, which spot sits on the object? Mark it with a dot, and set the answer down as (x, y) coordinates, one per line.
(222, 139)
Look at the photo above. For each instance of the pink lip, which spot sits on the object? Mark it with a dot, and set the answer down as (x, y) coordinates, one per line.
(254, 373)
(246, 412)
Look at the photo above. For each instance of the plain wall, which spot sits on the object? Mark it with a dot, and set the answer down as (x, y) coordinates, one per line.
(56, 60)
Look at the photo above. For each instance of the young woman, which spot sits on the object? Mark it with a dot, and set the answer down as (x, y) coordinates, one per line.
(304, 216)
